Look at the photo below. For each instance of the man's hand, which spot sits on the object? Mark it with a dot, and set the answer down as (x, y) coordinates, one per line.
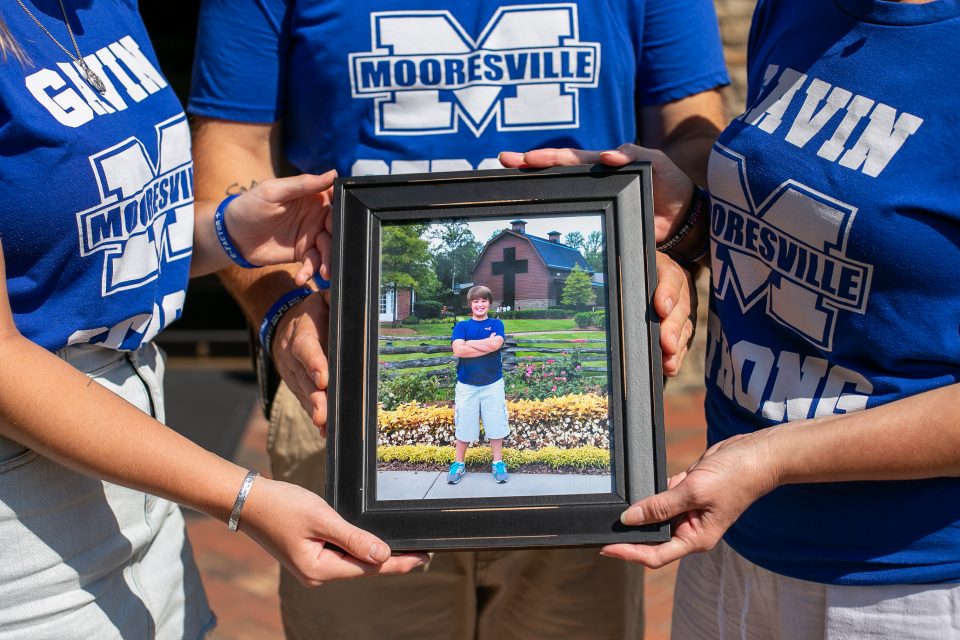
(675, 301)
(298, 350)
(283, 220)
(673, 188)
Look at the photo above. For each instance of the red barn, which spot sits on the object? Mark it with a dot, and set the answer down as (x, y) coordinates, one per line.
(524, 271)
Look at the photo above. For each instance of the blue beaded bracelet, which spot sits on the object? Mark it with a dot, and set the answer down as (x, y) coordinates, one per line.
(220, 225)
(275, 314)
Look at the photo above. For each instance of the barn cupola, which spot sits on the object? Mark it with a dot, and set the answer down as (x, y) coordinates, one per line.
(554, 237)
(520, 226)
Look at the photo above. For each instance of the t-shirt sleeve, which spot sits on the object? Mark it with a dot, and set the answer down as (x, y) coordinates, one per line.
(239, 62)
(679, 50)
(459, 332)
(498, 328)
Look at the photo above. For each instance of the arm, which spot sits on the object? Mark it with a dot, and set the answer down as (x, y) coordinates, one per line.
(94, 431)
(475, 348)
(912, 438)
(232, 157)
(685, 130)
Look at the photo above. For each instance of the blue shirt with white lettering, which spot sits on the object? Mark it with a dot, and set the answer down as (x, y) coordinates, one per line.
(402, 86)
(485, 369)
(836, 255)
(97, 190)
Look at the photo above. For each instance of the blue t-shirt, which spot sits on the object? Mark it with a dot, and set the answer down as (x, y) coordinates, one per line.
(836, 244)
(401, 86)
(97, 217)
(485, 369)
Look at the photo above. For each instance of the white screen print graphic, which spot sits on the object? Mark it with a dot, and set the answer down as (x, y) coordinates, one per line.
(427, 75)
(145, 214)
(789, 251)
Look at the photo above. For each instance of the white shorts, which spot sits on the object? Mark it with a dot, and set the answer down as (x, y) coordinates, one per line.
(486, 403)
(84, 558)
(721, 594)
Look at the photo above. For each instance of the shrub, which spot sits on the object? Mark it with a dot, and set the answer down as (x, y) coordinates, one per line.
(410, 320)
(584, 319)
(425, 309)
(410, 387)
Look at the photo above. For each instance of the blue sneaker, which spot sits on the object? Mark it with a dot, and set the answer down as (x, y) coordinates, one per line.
(500, 472)
(457, 470)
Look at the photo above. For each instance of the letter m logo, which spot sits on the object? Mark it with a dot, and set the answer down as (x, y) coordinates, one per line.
(145, 214)
(427, 75)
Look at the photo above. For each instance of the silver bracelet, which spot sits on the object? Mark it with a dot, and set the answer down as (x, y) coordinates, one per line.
(234, 521)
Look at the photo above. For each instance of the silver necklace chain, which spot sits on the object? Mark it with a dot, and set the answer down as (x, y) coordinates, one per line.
(95, 81)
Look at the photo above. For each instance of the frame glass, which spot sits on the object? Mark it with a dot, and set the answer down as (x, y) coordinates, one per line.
(581, 409)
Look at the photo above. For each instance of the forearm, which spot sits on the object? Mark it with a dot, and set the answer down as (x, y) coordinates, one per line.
(464, 350)
(92, 430)
(232, 158)
(685, 130)
(917, 437)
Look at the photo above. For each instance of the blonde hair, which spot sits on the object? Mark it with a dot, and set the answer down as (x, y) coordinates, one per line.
(9, 45)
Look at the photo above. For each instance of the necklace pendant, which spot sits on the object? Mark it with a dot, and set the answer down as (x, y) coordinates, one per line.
(95, 81)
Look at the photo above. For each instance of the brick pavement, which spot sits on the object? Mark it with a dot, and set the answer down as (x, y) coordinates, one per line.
(241, 579)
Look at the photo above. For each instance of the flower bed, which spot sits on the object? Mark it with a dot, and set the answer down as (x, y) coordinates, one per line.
(566, 422)
(429, 456)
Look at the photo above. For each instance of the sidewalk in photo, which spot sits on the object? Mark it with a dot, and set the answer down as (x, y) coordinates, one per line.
(419, 485)
(241, 579)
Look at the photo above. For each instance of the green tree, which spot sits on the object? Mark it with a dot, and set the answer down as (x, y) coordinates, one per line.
(593, 251)
(406, 260)
(455, 250)
(577, 289)
(574, 239)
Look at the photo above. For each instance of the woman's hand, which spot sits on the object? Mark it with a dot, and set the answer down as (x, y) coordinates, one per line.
(672, 188)
(294, 525)
(703, 501)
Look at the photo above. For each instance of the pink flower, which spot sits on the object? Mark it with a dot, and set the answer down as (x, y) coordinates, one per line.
(578, 367)
(550, 361)
(554, 388)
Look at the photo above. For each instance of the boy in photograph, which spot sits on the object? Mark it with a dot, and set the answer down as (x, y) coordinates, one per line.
(479, 392)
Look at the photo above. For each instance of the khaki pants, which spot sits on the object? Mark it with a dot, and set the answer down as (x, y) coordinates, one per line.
(488, 595)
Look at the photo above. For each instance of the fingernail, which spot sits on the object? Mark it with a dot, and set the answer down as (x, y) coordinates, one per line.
(378, 553)
(318, 379)
(636, 512)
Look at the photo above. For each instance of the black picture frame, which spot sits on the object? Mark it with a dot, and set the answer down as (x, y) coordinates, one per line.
(623, 198)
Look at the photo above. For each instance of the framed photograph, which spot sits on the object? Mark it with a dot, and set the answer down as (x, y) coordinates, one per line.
(495, 370)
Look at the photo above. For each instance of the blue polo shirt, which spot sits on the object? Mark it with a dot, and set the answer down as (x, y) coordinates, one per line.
(485, 369)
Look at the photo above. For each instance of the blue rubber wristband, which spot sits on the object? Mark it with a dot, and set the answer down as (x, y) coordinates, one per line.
(275, 314)
(220, 224)
(322, 283)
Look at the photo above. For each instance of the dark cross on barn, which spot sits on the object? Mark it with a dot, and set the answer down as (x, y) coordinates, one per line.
(509, 268)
